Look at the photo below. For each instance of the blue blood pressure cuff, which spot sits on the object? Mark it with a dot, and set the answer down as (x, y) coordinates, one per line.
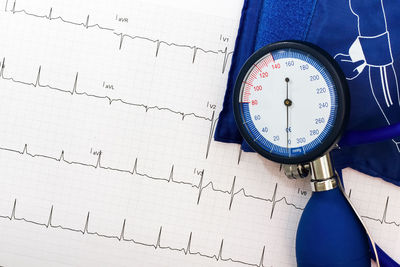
(364, 38)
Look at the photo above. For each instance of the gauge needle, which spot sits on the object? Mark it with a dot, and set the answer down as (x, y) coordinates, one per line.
(287, 103)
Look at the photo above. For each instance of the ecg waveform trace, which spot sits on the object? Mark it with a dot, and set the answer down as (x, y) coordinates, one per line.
(169, 178)
(159, 242)
(121, 237)
(122, 36)
(110, 100)
(157, 245)
(383, 219)
(200, 187)
(74, 91)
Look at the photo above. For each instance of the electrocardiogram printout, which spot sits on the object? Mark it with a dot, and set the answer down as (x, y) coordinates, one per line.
(108, 109)
(378, 203)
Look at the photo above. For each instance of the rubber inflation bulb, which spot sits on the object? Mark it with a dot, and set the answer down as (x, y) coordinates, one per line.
(330, 234)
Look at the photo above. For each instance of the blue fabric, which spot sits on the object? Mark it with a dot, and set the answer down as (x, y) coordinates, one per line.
(363, 37)
(371, 77)
(262, 22)
(384, 259)
(284, 20)
(365, 45)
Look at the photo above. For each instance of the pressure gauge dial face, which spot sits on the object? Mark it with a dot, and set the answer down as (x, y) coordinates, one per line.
(291, 102)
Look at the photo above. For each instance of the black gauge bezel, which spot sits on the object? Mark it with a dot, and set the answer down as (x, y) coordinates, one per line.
(343, 100)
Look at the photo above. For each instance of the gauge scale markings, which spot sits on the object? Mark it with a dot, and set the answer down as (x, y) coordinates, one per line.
(288, 102)
(278, 56)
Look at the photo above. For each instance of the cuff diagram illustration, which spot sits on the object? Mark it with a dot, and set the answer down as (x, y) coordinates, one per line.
(371, 52)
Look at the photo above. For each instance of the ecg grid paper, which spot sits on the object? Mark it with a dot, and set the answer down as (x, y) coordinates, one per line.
(107, 158)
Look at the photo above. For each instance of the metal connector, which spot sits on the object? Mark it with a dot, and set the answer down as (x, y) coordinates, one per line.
(323, 175)
(296, 171)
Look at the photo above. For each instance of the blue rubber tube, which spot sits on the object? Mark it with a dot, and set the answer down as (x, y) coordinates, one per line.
(353, 138)
(330, 234)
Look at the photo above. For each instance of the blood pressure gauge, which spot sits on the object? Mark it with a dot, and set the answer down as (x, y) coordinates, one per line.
(291, 105)
(291, 102)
